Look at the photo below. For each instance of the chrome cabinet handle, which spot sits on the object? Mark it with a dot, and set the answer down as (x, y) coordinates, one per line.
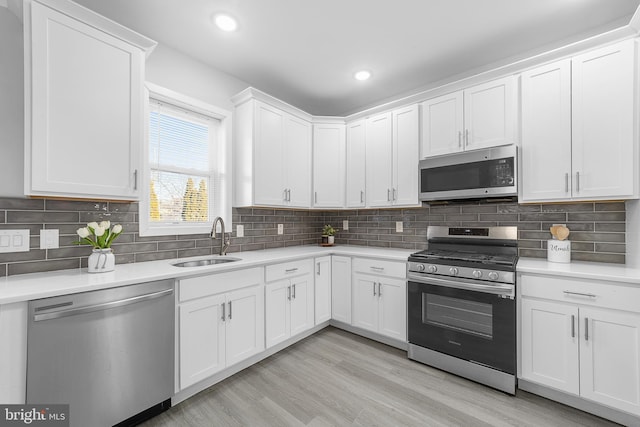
(361, 196)
(374, 289)
(577, 182)
(395, 194)
(377, 268)
(315, 197)
(586, 329)
(284, 196)
(289, 195)
(573, 326)
(466, 137)
(460, 139)
(291, 270)
(293, 295)
(289, 293)
(224, 312)
(580, 294)
(230, 309)
(135, 179)
(379, 289)
(388, 195)
(566, 182)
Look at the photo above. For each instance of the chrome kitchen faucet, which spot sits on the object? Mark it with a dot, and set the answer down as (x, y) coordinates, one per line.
(224, 241)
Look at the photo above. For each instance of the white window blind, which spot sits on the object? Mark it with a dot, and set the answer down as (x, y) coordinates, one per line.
(182, 165)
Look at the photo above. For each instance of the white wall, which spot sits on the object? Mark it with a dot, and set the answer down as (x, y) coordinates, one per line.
(165, 67)
(11, 106)
(173, 70)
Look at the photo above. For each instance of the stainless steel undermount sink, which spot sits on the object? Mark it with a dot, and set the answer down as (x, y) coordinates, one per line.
(205, 262)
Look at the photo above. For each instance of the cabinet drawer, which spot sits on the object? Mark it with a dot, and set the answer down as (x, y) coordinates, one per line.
(380, 267)
(581, 291)
(288, 269)
(197, 287)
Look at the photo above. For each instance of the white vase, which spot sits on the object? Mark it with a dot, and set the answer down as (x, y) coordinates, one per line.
(331, 239)
(101, 261)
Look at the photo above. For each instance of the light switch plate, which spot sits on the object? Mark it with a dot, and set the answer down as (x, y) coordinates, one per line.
(239, 230)
(14, 241)
(399, 227)
(280, 229)
(49, 239)
(345, 224)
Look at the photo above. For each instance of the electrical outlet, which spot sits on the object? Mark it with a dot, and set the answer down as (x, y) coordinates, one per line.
(345, 224)
(239, 230)
(399, 227)
(280, 229)
(49, 239)
(14, 241)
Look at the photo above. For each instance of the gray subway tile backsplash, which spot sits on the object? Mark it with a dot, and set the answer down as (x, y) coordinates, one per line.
(597, 229)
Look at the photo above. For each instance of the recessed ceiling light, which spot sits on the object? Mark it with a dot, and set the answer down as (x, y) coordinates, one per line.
(225, 22)
(362, 75)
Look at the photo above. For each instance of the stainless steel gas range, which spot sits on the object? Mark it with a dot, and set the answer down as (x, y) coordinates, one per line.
(461, 303)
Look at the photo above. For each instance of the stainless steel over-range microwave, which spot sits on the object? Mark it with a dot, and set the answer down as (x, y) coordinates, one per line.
(477, 174)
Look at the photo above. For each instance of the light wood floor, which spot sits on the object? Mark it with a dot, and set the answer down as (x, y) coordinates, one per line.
(335, 378)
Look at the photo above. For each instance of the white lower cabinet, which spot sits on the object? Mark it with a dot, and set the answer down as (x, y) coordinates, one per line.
(323, 289)
(380, 297)
(341, 288)
(582, 338)
(219, 330)
(289, 300)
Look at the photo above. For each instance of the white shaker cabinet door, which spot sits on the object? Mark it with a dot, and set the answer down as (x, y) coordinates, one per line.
(277, 312)
(269, 180)
(379, 160)
(356, 172)
(392, 296)
(329, 154)
(202, 339)
(322, 287)
(610, 357)
(549, 335)
(443, 125)
(546, 133)
(341, 288)
(85, 110)
(365, 302)
(298, 162)
(604, 145)
(245, 324)
(406, 152)
(302, 304)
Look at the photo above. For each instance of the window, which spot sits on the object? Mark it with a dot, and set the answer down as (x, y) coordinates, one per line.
(186, 160)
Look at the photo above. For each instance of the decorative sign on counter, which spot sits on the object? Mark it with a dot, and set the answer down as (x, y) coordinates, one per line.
(558, 248)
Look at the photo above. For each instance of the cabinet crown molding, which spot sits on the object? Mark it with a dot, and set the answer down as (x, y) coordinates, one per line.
(97, 21)
(253, 93)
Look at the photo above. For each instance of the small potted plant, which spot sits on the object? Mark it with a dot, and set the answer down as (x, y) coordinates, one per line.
(328, 234)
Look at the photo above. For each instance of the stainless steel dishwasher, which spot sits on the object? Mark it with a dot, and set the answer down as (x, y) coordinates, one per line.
(109, 354)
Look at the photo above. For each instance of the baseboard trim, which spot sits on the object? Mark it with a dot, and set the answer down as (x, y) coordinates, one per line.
(577, 402)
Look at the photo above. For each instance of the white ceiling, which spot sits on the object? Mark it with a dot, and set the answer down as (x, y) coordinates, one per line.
(306, 51)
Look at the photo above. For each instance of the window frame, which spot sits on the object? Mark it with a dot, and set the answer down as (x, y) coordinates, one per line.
(221, 172)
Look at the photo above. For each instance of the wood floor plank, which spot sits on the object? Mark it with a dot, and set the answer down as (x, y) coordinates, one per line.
(335, 378)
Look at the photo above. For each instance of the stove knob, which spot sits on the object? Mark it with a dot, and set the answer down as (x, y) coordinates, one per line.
(477, 274)
(432, 268)
(493, 275)
(453, 271)
(420, 267)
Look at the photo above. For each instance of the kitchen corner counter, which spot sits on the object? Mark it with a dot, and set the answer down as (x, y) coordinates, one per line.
(581, 270)
(26, 287)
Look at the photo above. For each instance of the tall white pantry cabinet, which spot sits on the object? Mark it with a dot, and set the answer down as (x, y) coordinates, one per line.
(84, 103)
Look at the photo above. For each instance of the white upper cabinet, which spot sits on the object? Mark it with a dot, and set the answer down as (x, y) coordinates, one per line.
(356, 171)
(272, 155)
(578, 127)
(329, 152)
(84, 103)
(478, 117)
(392, 147)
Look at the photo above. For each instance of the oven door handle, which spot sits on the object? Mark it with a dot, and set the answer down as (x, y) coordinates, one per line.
(497, 289)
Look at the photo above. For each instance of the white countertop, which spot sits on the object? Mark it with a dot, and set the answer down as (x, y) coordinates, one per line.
(25, 287)
(581, 270)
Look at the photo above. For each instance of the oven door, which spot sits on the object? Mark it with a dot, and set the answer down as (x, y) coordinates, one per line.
(472, 325)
